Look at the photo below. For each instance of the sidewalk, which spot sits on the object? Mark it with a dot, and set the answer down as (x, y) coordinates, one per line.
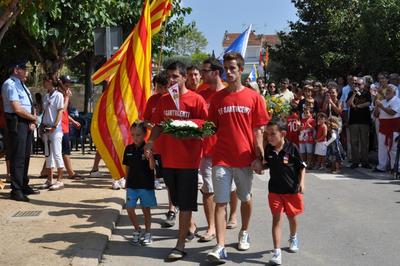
(73, 225)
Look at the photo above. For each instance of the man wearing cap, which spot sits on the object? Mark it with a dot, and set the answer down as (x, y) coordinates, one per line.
(21, 121)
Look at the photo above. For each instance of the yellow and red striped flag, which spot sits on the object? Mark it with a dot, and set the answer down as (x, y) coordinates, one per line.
(125, 98)
(159, 11)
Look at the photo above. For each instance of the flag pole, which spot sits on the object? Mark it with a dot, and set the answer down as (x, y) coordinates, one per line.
(162, 45)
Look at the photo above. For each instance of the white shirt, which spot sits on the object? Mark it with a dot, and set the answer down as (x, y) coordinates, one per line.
(345, 94)
(393, 104)
(287, 95)
(52, 103)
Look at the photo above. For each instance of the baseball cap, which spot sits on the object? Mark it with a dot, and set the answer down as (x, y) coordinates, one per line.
(66, 79)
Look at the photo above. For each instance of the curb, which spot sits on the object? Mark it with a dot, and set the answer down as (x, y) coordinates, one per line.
(92, 248)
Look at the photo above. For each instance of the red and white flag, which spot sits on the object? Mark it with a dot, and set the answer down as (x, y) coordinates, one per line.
(174, 92)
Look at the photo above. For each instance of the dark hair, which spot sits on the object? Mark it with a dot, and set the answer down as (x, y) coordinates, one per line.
(161, 78)
(140, 124)
(192, 67)
(51, 77)
(281, 124)
(322, 115)
(215, 65)
(178, 65)
(235, 56)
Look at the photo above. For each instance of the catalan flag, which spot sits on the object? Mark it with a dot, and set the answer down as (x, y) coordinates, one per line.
(159, 11)
(129, 88)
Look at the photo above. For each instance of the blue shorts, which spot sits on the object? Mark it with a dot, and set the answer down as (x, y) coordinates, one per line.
(147, 198)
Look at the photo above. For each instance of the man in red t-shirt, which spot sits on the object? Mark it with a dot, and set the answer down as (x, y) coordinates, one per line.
(193, 78)
(181, 158)
(160, 82)
(211, 73)
(240, 116)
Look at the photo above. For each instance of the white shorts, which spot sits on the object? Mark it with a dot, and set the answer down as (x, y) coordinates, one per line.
(223, 177)
(306, 148)
(320, 148)
(53, 149)
(206, 173)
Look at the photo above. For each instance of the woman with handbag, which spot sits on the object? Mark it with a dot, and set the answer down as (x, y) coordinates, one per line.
(53, 106)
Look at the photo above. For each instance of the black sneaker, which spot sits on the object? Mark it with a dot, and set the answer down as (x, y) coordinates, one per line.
(354, 165)
(170, 220)
(366, 166)
(376, 170)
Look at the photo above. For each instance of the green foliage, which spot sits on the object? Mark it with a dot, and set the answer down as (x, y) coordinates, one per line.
(61, 30)
(192, 42)
(337, 37)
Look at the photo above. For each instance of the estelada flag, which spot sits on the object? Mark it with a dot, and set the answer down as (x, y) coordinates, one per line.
(174, 92)
(125, 98)
(159, 12)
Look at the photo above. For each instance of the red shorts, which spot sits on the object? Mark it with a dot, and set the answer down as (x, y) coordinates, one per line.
(292, 204)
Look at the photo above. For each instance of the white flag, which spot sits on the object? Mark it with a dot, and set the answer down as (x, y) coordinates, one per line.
(174, 92)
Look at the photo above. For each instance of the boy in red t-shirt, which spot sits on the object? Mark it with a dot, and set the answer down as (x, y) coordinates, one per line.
(293, 128)
(181, 157)
(306, 137)
(320, 146)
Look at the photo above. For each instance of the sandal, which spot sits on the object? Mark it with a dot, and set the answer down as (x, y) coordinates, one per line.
(176, 254)
(77, 177)
(207, 238)
(231, 225)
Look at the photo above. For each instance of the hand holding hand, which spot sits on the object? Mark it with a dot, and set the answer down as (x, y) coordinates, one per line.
(257, 166)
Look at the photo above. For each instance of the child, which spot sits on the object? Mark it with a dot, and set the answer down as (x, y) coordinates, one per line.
(139, 183)
(320, 146)
(335, 152)
(293, 126)
(286, 185)
(306, 137)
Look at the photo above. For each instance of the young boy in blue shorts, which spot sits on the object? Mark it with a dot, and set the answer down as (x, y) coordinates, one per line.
(139, 183)
(286, 185)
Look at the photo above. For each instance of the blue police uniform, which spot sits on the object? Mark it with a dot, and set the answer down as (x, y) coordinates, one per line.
(19, 136)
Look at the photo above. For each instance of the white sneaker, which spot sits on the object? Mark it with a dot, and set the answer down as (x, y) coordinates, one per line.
(244, 240)
(57, 186)
(217, 255)
(46, 185)
(157, 184)
(122, 182)
(116, 185)
(95, 174)
(293, 244)
(147, 239)
(276, 258)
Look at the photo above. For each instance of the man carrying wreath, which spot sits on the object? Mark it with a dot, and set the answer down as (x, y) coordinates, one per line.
(181, 156)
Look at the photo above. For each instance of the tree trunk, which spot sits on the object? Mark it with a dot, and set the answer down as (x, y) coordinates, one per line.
(89, 70)
(8, 17)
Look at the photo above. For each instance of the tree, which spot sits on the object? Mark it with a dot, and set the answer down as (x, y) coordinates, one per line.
(193, 42)
(63, 32)
(336, 37)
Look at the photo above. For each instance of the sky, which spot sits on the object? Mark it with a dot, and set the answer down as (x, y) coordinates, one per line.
(213, 17)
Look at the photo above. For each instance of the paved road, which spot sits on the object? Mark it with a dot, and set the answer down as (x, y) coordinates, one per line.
(350, 219)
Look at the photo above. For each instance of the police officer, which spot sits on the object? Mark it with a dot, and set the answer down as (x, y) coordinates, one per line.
(21, 120)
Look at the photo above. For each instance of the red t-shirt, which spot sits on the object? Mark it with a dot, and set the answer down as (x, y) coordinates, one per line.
(178, 153)
(236, 114)
(307, 130)
(321, 133)
(209, 142)
(148, 114)
(65, 122)
(293, 128)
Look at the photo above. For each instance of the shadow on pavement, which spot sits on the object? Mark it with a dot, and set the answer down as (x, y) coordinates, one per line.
(75, 238)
